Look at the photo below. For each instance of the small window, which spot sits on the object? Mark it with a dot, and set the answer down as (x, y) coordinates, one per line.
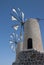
(29, 43)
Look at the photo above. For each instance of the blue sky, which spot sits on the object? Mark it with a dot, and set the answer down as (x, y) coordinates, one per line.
(31, 8)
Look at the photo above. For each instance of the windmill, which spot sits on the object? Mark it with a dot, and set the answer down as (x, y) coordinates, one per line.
(18, 16)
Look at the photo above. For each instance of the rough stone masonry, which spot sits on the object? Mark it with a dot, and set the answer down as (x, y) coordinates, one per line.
(30, 57)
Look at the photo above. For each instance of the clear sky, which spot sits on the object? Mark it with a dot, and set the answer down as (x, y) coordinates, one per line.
(31, 8)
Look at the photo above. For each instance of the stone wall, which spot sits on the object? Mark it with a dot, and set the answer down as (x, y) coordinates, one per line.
(31, 57)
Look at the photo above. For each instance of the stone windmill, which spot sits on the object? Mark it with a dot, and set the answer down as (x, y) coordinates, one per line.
(30, 51)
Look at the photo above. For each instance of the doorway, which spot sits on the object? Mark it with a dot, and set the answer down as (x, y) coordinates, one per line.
(29, 43)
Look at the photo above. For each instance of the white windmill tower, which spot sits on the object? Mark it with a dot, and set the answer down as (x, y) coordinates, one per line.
(32, 35)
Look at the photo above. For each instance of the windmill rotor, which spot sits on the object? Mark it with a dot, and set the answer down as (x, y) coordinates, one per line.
(17, 38)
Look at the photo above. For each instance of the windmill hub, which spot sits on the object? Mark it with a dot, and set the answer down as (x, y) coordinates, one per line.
(22, 23)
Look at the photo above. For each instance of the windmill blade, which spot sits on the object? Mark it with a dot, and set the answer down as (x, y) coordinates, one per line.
(14, 49)
(14, 18)
(12, 46)
(14, 10)
(22, 14)
(21, 37)
(16, 35)
(11, 36)
(18, 9)
(11, 42)
(18, 39)
(15, 27)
